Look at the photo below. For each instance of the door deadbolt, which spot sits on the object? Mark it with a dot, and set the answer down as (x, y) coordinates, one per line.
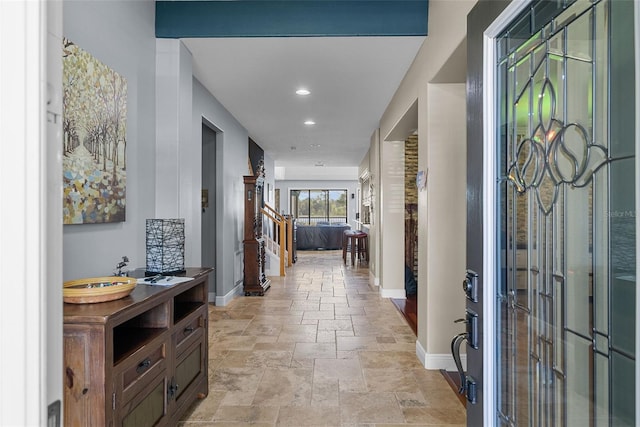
(470, 285)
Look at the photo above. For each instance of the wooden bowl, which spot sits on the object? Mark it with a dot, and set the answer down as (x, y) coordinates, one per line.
(97, 289)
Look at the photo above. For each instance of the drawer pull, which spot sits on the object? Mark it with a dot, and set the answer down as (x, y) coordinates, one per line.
(188, 330)
(143, 366)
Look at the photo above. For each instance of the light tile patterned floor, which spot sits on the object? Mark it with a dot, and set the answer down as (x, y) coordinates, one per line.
(321, 348)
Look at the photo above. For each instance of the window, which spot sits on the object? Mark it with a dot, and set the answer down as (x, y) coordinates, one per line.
(318, 206)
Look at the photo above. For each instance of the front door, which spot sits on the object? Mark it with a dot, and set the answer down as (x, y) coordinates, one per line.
(559, 257)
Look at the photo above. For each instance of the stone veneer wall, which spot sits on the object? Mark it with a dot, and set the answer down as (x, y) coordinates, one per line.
(411, 203)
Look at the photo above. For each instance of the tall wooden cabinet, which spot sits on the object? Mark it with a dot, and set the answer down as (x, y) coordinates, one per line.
(138, 361)
(255, 279)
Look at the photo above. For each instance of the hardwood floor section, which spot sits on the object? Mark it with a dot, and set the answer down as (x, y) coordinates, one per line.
(409, 309)
(453, 378)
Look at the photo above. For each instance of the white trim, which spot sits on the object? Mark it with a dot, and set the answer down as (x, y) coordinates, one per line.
(54, 228)
(373, 280)
(421, 353)
(444, 361)
(393, 293)
(230, 296)
(23, 213)
(636, 33)
(438, 361)
(488, 212)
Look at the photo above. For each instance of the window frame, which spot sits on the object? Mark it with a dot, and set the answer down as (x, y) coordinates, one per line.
(327, 217)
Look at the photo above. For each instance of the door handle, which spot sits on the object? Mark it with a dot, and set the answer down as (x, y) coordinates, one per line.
(455, 351)
(468, 385)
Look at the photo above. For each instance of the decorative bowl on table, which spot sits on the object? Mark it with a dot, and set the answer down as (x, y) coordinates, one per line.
(97, 289)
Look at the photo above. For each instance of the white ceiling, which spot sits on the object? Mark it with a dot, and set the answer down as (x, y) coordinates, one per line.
(351, 79)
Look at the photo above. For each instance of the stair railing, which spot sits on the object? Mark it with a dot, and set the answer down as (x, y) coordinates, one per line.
(283, 229)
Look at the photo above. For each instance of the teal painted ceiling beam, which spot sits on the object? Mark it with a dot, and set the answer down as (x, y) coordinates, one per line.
(291, 18)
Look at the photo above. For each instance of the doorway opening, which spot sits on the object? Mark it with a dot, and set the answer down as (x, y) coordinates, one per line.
(406, 130)
(409, 306)
(209, 217)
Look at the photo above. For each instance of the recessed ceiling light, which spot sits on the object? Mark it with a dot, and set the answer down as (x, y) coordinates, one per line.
(309, 122)
(303, 92)
(314, 145)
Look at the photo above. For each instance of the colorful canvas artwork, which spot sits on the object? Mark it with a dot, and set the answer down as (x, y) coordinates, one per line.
(95, 139)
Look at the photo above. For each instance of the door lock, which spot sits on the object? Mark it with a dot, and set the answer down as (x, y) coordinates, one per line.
(470, 285)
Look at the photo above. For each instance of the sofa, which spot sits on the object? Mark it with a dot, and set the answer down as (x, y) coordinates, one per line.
(320, 236)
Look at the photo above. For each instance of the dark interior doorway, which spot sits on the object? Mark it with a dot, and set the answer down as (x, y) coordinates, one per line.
(208, 218)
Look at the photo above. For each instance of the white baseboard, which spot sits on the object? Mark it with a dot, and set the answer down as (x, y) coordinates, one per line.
(272, 267)
(421, 353)
(444, 361)
(438, 361)
(270, 273)
(226, 299)
(373, 280)
(393, 293)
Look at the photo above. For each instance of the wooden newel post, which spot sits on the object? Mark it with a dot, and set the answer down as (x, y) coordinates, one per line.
(289, 223)
(283, 240)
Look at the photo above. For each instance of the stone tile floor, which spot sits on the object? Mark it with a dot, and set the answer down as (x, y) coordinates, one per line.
(321, 348)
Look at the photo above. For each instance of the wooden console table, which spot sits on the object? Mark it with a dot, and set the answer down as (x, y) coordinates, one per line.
(140, 360)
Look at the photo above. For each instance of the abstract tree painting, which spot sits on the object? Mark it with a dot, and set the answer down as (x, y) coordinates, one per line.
(95, 139)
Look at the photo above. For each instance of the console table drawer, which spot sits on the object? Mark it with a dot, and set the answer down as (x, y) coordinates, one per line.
(146, 366)
(193, 329)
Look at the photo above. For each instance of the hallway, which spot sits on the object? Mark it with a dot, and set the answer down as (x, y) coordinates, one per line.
(321, 348)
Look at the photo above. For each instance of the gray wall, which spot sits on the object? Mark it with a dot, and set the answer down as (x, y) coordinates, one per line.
(269, 180)
(121, 35)
(231, 163)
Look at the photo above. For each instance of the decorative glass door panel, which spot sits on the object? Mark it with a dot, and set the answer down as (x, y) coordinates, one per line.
(566, 225)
